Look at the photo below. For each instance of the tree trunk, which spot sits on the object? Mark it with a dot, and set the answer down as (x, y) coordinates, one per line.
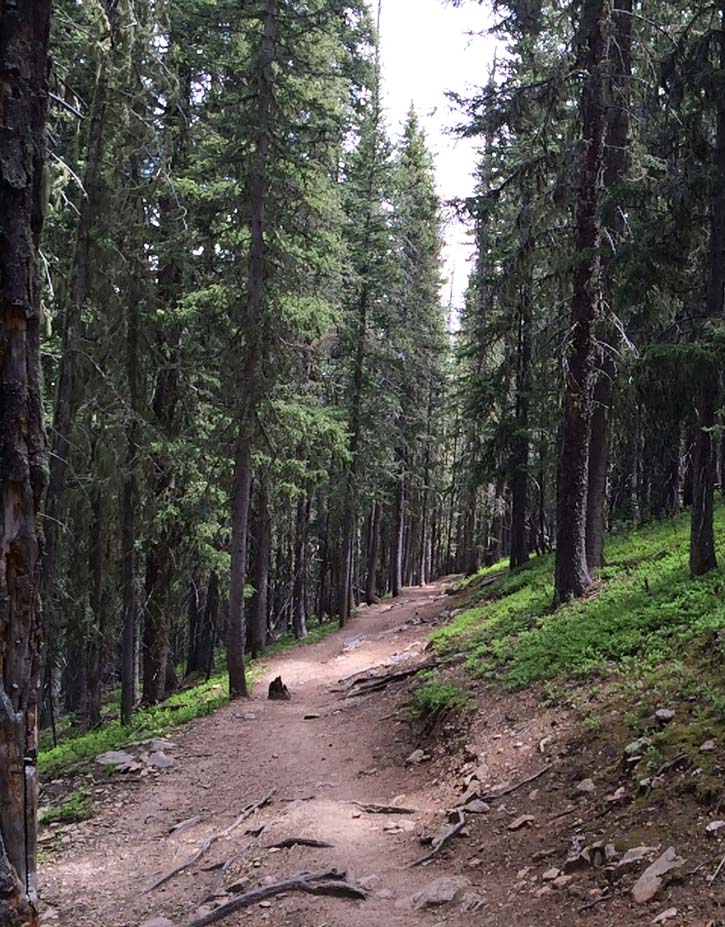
(702, 536)
(24, 28)
(209, 628)
(599, 465)
(299, 608)
(260, 568)
(66, 399)
(253, 328)
(396, 556)
(520, 456)
(373, 553)
(96, 639)
(129, 506)
(572, 576)
(615, 167)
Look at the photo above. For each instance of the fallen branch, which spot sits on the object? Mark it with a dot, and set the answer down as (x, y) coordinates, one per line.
(593, 904)
(326, 882)
(247, 813)
(297, 842)
(493, 796)
(375, 683)
(382, 809)
(716, 873)
(443, 839)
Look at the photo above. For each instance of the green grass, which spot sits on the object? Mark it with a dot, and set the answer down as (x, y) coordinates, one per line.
(648, 614)
(184, 706)
(76, 807)
(435, 696)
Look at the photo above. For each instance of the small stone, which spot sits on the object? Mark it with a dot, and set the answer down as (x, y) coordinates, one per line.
(562, 881)
(158, 922)
(544, 890)
(160, 760)
(637, 747)
(236, 888)
(617, 796)
(586, 787)
(114, 758)
(664, 715)
(482, 773)
(551, 874)
(472, 901)
(665, 916)
(714, 826)
(707, 747)
(476, 807)
(525, 820)
(652, 879)
(474, 863)
(265, 904)
(356, 814)
(444, 890)
(417, 757)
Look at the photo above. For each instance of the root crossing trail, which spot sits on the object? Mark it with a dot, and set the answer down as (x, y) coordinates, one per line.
(320, 752)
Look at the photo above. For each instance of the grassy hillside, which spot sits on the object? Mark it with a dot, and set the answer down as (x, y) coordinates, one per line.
(645, 620)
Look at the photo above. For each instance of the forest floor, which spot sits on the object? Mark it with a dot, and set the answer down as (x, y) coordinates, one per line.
(321, 752)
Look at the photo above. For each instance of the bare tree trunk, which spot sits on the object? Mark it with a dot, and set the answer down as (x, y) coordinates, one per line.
(520, 456)
(616, 158)
(572, 576)
(24, 28)
(66, 399)
(396, 558)
(129, 507)
(299, 612)
(599, 464)
(260, 568)
(373, 553)
(252, 322)
(702, 534)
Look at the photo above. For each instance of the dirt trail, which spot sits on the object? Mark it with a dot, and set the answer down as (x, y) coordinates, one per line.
(354, 751)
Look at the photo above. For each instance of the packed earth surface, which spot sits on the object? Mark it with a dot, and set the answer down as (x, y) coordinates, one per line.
(521, 769)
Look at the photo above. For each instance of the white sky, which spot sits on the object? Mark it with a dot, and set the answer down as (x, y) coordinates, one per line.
(427, 49)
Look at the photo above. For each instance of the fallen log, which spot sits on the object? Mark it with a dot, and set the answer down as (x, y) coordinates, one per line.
(210, 841)
(327, 882)
(443, 839)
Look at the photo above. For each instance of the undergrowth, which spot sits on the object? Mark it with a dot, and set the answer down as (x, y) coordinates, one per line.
(76, 807)
(185, 705)
(645, 613)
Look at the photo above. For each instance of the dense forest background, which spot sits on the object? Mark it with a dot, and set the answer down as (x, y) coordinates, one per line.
(260, 412)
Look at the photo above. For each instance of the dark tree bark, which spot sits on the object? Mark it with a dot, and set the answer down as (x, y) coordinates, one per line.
(164, 406)
(702, 536)
(209, 628)
(615, 167)
(24, 29)
(520, 456)
(373, 553)
(260, 568)
(299, 591)
(572, 577)
(253, 330)
(129, 503)
(66, 398)
(396, 554)
(96, 639)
